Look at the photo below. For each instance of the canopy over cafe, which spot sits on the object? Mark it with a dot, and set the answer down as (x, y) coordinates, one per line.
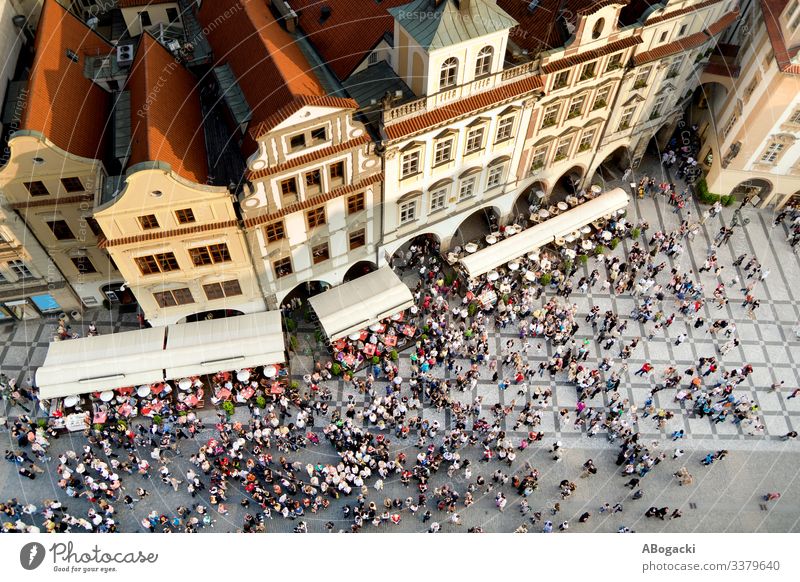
(366, 317)
(560, 230)
(116, 369)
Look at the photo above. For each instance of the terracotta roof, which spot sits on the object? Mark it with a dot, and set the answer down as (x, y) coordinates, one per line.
(308, 158)
(352, 30)
(135, 3)
(681, 11)
(166, 118)
(771, 10)
(52, 202)
(540, 29)
(315, 201)
(445, 113)
(296, 105)
(689, 42)
(62, 104)
(577, 59)
(150, 236)
(271, 70)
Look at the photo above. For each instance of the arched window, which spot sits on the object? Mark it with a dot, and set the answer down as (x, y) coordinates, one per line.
(449, 71)
(598, 28)
(483, 66)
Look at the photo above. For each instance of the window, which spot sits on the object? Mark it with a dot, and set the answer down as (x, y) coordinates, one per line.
(729, 126)
(337, 172)
(94, 226)
(561, 80)
(224, 289)
(210, 255)
(372, 58)
(316, 217)
(84, 265)
(159, 263)
(474, 140)
(20, 269)
(562, 149)
(60, 229)
(410, 164)
(174, 297)
(795, 118)
(750, 89)
(601, 98)
(550, 117)
(73, 56)
(358, 238)
(588, 71)
(148, 221)
(274, 231)
(467, 189)
(408, 211)
(313, 181)
(627, 116)
(443, 151)
(282, 267)
(657, 106)
(682, 30)
(448, 73)
(172, 14)
(184, 216)
(663, 37)
(539, 157)
(36, 188)
(289, 187)
(771, 154)
(614, 62)
(576, 107)
(675, 67)
(297, 142)
(597, 30)
(495, 177)
(641, 78)
(355, 203)
(587, 140)
(438, 198)
(483, 66)
(72, 184)
(505, 128)
(320, 253)
(144, 17)
(319, 135)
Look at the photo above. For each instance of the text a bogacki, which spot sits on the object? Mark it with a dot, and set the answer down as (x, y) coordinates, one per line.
(669, 550)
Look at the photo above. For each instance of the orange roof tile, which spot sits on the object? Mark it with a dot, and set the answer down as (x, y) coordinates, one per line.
(295, 105)
(771, 10)
(271, 70)
(166, 118)
(689, 42)
(445, 113)
(311, 157)
(680, 12)
(577, 59)
(352, 30)
(69, 109)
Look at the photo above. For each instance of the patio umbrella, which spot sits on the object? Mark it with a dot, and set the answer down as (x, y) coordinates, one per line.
(243, 375)
(185, 384)
(530, 276)
(107, 396)
(71, 401)
(270, 372)
(142, 391)
(596, 188)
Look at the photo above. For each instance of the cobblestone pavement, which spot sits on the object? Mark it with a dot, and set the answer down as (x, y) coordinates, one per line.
(724, 497)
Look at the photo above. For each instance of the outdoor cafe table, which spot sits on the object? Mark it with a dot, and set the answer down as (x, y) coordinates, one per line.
(369, 349)
(390, 340)
(409, 330)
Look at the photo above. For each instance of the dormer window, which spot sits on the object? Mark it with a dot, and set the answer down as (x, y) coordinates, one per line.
(319, 135)
(483, 66)
(448, 73)
(297, 142)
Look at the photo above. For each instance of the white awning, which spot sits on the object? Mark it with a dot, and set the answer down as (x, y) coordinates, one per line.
(357, 304)
(84, 365)
(537, 236)
(216, 345)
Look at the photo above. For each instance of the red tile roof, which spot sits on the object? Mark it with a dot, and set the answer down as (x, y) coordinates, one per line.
(296, 105)
(353, 29)
(62, 104)
(376, 178)
(771, 10)
(680, 12)
(539, 30)
(308, 158)
(271, 70)
(577, 59)
(689, 42)
(446, 113)
(166, 118)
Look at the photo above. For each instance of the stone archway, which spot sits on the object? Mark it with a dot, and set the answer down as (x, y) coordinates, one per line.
(750, 189)
(568, 184)
(428, 241)
(305, 290)
(476, 226)
(359, 269)
(612, 168)
(534, 195)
